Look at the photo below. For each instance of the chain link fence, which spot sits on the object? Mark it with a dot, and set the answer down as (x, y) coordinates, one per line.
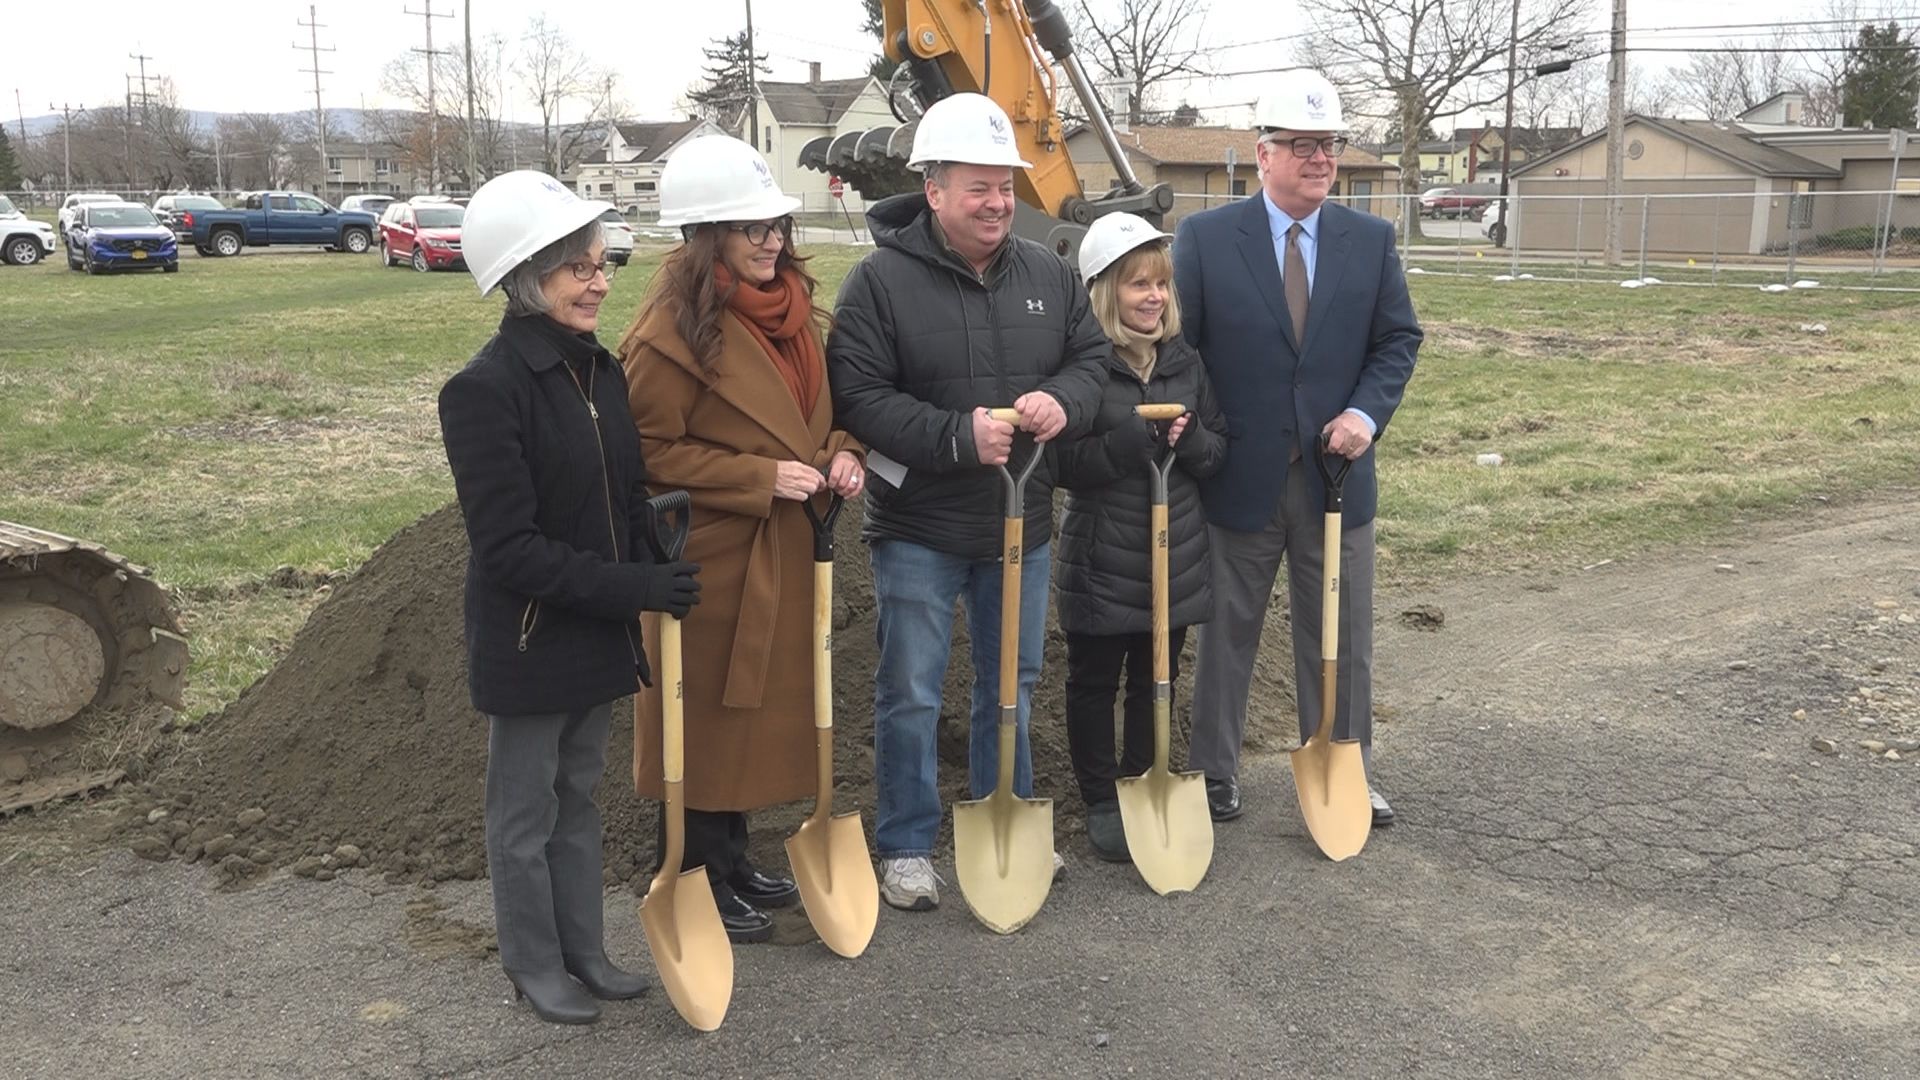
(1837, 239)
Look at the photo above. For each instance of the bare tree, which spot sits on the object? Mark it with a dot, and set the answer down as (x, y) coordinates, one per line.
(1422, 61)
(1140, 44)
(256, 150)
(407, 128)
(556, 73)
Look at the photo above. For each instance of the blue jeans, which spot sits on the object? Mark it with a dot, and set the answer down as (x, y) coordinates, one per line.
(915, 588)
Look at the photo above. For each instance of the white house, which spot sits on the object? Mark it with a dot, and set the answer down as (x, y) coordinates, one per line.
(625, 170)
(792, 114)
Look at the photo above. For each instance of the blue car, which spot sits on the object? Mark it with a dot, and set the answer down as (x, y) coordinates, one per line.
(119, 236)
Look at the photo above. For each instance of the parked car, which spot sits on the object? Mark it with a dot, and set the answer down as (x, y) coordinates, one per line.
(268, 218)
(1459, 201)
(115, 236)
(619, 235)
(425, 236)
(23, 241)
(176, 211)
(368, 204)
(79, 198)
(1497, 220)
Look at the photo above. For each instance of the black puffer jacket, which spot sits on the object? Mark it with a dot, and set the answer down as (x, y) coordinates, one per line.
(1103, 567)
(560, 568)
(919, 340)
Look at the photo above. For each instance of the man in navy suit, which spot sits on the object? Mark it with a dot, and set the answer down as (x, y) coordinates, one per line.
(1300, 310)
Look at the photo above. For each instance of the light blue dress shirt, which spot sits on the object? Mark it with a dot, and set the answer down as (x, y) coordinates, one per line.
(1278, 222)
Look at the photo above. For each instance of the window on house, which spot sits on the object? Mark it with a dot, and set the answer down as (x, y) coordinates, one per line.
(769, 140)
(1362, 188)
(1239, 187)
(382, 166)
(333, 164)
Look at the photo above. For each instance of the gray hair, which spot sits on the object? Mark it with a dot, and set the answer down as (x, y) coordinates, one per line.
(522, 283)
(936, 173)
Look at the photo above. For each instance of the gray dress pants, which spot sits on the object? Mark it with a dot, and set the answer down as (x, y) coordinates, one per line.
(543, 835)
(1245, 566)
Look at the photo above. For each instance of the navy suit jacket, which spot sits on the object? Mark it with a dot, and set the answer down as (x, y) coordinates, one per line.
(1278, 393)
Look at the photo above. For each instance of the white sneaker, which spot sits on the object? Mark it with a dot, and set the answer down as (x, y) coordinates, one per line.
(910, 884)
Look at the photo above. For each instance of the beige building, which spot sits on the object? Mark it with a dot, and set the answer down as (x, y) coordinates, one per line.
(368, 169)
(793, 114)
(1210, 166)
(625, 170)
(1756, 185)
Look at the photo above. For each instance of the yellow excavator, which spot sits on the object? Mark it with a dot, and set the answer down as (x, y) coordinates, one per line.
(998, 48)
(81, 630)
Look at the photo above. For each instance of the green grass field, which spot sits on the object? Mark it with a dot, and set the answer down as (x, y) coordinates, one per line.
(278, 409)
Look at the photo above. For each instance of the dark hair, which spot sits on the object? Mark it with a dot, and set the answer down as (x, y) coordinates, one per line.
(687, 285)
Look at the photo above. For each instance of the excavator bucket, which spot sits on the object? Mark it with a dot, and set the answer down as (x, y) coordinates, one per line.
(874, 161)
(80, 628)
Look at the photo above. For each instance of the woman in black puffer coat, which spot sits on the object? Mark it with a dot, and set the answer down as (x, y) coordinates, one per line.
(1103, 559)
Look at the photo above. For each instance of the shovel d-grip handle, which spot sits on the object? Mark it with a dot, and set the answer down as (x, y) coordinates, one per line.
(1016, 482)
(1335, 479)
(823, 525)
(669, 516)
(1160, 411)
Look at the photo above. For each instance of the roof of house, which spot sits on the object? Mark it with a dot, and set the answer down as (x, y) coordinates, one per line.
(1725, 141)
(820, 104)
(651, 140)
(1535, 140)
(1168, 145)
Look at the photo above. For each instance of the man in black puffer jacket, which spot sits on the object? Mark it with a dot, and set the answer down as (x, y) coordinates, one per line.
(950, 316)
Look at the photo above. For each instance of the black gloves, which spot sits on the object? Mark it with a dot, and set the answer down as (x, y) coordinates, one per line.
(671, 588)
(1130, 442)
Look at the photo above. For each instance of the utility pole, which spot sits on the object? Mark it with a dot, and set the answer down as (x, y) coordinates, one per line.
(473, 168)
(146, 101)
(314, 26)
(753, 85)
(126, 130)
(1616, 128)
(22, 110)
(219, 174)
(1506, 136)
(66, 138)
(433, 114)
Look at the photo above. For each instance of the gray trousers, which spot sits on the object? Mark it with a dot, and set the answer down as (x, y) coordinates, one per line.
(543, 835)
(1245, 566)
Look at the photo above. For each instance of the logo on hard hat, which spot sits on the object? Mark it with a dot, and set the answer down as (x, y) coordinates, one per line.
(1316, 102)
(999, 127)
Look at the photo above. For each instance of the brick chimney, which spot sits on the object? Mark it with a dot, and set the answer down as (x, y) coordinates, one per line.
(813, 72)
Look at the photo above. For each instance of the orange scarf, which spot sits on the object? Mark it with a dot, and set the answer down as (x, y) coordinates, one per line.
(779, 315)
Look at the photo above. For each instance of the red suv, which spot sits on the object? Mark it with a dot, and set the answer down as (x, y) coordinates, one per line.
(425, 235)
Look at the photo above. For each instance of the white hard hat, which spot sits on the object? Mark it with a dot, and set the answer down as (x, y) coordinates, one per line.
(720, 178)
(1111, 237)
(1300, 100)
(969, 129)
(513, 216)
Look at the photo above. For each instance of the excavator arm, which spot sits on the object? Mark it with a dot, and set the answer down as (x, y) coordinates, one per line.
(999, 48)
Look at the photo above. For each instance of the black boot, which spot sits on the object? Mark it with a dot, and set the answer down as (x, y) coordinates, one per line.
(1107, 832)
(764, 890)
(555, 997)
(603, 980)
(745, 923)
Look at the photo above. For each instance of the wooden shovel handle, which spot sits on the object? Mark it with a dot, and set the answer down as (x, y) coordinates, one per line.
(1329, 628)
(1170, 410)
(1005, 416)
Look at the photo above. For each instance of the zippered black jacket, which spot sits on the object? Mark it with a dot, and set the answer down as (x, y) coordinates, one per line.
(553, 490)
(919, 340)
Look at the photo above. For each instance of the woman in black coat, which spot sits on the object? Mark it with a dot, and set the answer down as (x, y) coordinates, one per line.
(548, 471)
(1103, 574)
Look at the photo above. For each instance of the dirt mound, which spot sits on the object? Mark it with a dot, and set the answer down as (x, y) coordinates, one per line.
(361, 747)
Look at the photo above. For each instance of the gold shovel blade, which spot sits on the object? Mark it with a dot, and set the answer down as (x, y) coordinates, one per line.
(842, 898)
(1331, 780)
(1003, 856)
(690, 946)
(1169, 830)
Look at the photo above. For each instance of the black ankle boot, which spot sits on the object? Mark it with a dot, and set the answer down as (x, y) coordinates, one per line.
(605, 981)
(745, 923)
(555, 997)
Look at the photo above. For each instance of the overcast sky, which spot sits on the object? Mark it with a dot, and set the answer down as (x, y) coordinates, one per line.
(242, 58)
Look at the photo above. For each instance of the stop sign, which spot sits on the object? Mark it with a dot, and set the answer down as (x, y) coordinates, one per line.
(836, 188)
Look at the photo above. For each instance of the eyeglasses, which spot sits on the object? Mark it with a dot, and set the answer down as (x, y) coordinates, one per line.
(584, 271)
(758, 231)
(1304, 146)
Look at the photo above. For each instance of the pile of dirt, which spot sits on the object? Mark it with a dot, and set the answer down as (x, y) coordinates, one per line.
(361, 747)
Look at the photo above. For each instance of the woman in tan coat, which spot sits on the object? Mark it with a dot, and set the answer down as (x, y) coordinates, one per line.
(729, 392)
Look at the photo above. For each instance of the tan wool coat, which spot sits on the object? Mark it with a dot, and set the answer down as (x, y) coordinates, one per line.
(748, 644)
